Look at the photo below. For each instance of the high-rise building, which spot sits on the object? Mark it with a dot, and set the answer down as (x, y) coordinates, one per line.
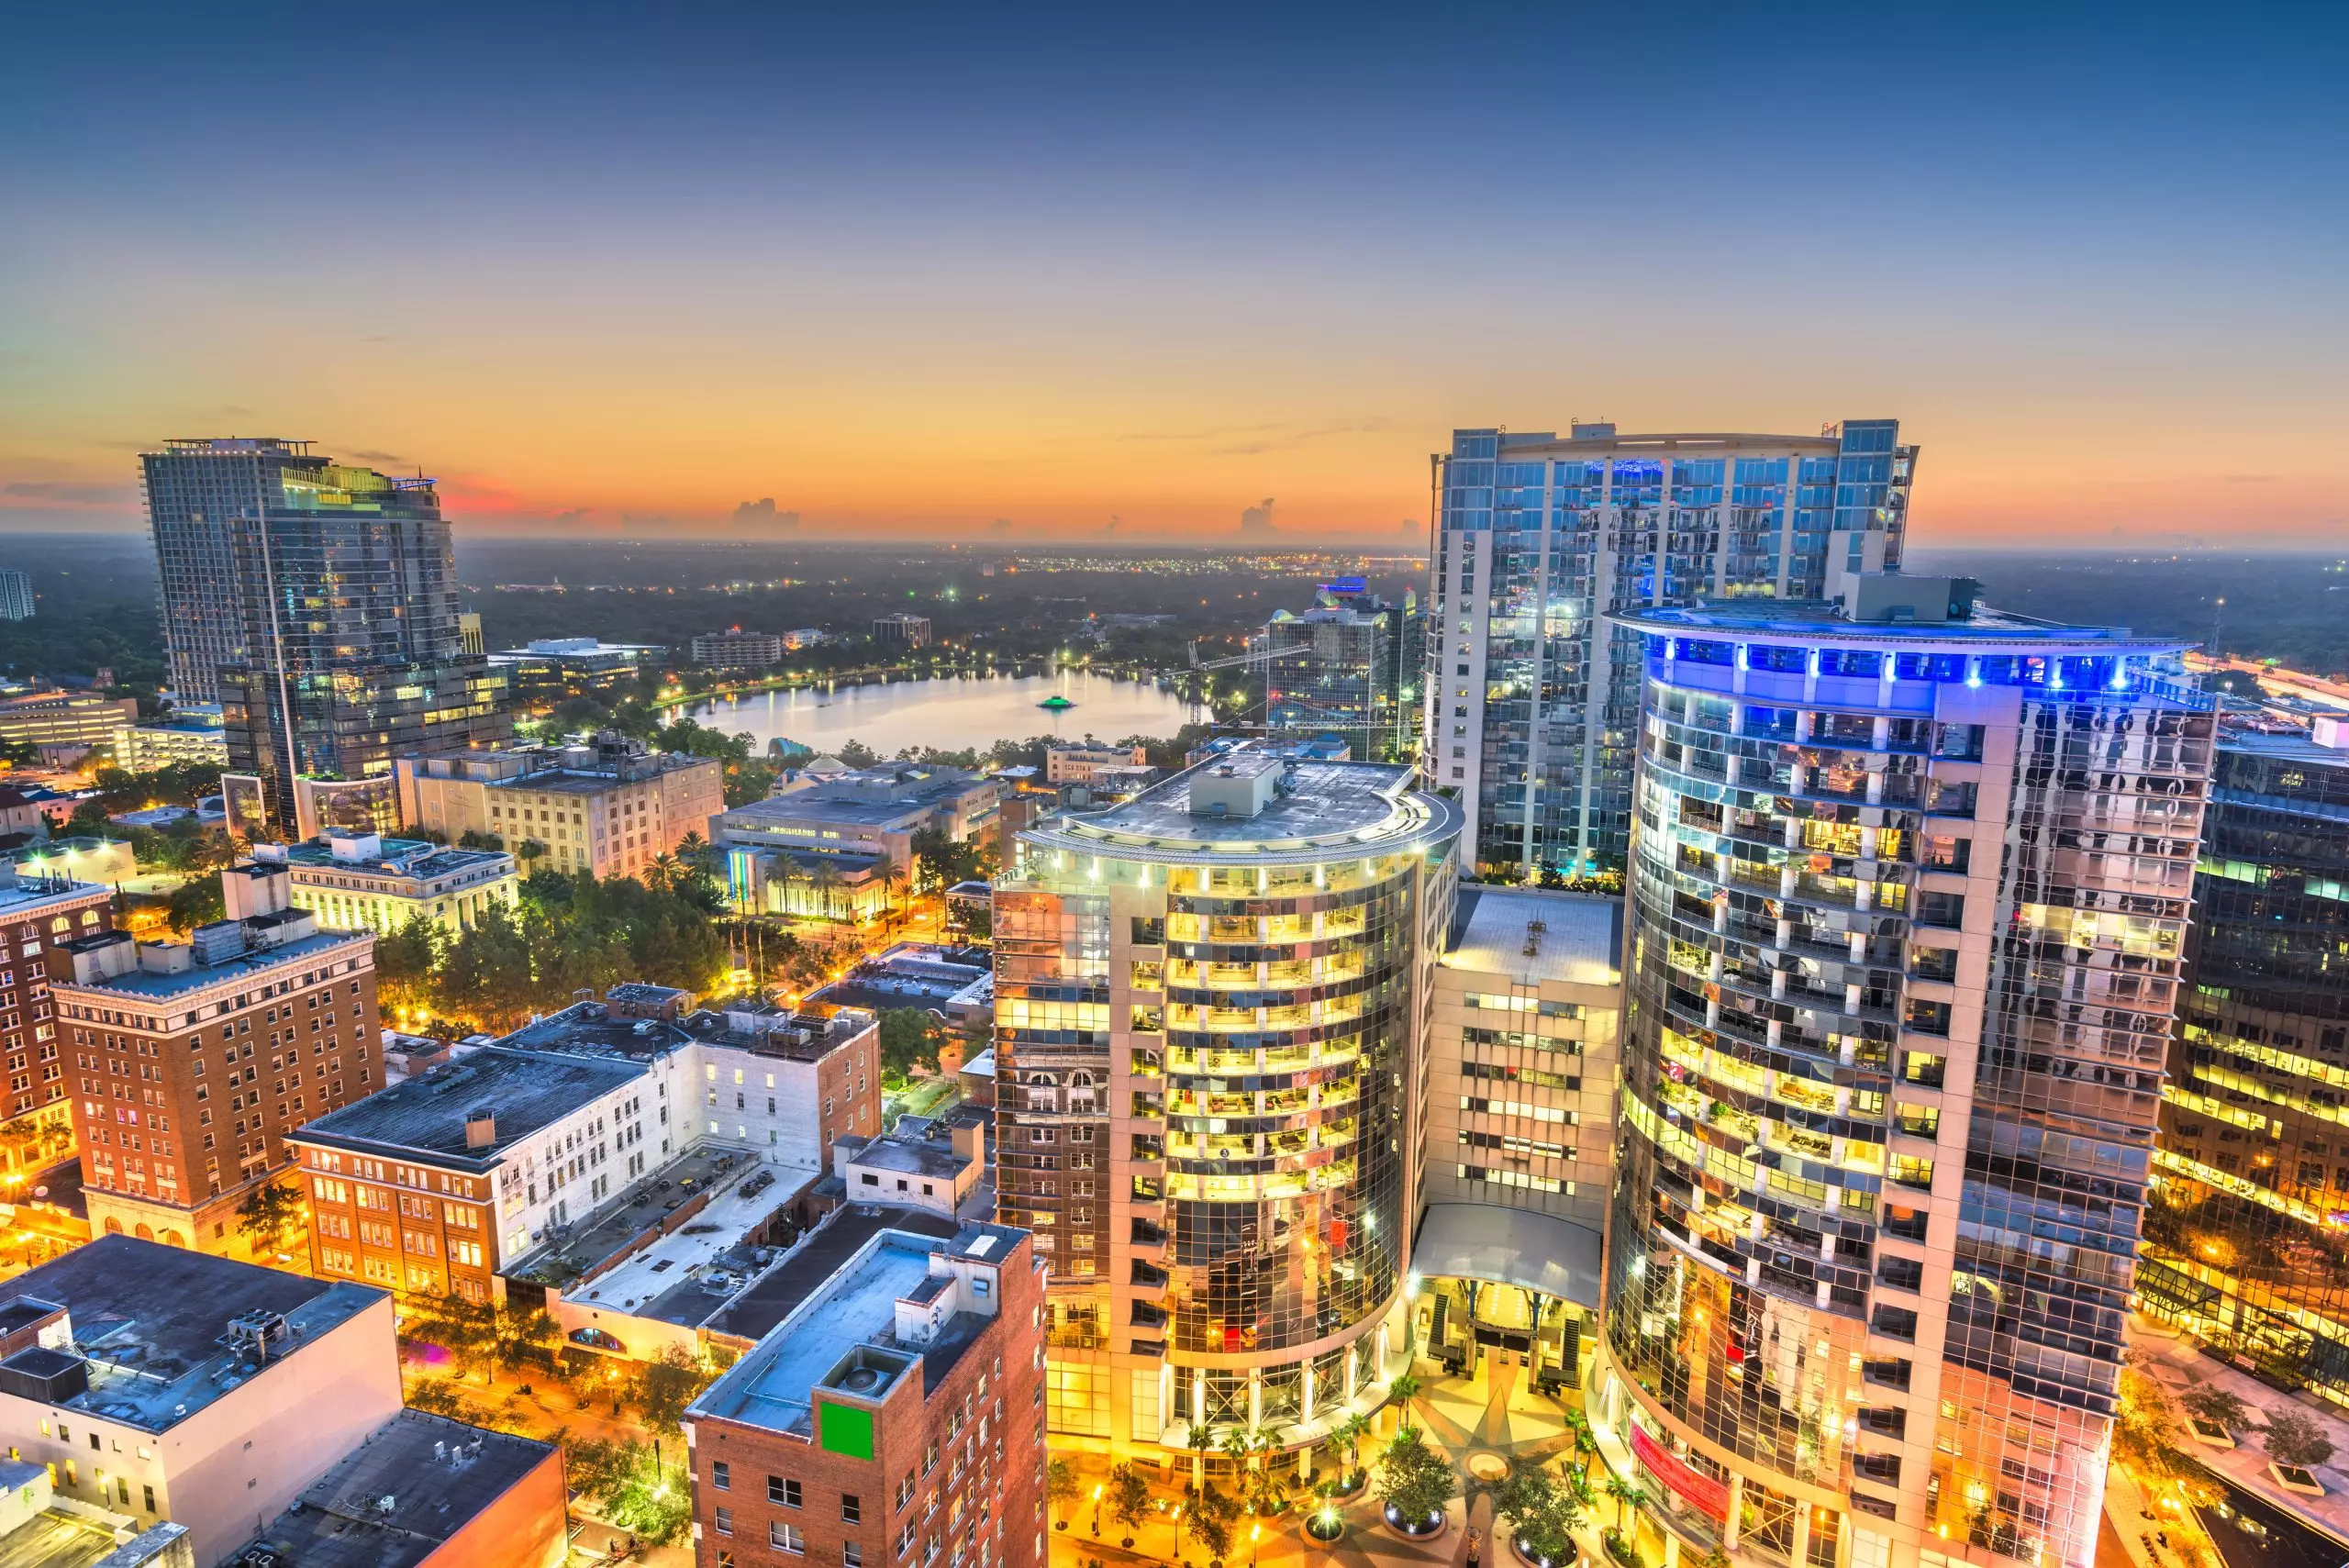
(317, 603)
(1906, 904)
(2245, 1243)
(40, 912)
(1210, 1007)
(1349, 665)
(1531, 701)
(16, 594)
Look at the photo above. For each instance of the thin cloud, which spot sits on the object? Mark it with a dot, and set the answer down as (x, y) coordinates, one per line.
(72, 494)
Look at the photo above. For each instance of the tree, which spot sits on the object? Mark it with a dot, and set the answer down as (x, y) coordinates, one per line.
(267, 1210)
(1415, 1480)
(529, 851)
(2294, 1438)
(1129, 1498)
(825, 877)
(1403, 1390)
(2214, 1403)
(194, 903)
(1351, 1432)
(630, 1486)
(1060, 1483)
(1627, 1495)
(405, 960)
(1543, 1514)
(1209, 1520)
(435, 1396)
(663, 1389)
(909, 1037)
(857, 754)
(2146, 1436)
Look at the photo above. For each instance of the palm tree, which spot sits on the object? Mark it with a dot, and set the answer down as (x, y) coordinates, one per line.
(892, 877)
(1199, 1440)
(661, 872)
(1627, 1495)
(788, 872)
(827, 880)
(1353, 1429)
(1403, 1390)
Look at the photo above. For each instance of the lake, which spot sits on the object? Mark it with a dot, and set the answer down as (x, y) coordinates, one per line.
(950, 713)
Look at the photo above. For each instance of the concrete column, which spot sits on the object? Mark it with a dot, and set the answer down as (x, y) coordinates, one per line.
(1736, 1507)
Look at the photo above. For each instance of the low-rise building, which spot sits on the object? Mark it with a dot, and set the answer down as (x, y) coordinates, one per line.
(143, 747)
(914, 631)
(65, 720)
(735, 648)
(455, 1179)
(41, 1529)
(193, 1063)
(920, 1172)
(558, 666)
(168, 1384)
(1074, 761)
(609, 806)
(895, 1416)
(817, 849)
(84, 858)
(366, 881)
(423, 1491)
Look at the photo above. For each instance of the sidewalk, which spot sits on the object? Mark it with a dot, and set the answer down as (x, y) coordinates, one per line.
(2176, 1361)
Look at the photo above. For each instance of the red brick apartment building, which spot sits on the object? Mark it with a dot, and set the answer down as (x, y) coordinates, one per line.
(894, 1419)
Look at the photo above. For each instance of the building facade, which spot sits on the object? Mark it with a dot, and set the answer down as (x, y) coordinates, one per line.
(64, 720)
(912, 630)
(1209, 1011)
(1350, 666)
(821, 849)
(364, 882)
(2244, 1240)
(442, 1182)
(891, 1419)
(1531, 702)
(316, 602)
(192, 1063)
(609, 808)
(40, 913)
(1520, 1130)
(143, 747)
(1906, 910)
(170, 1385)
(735, 648)
(16, 594)
(1076, 762)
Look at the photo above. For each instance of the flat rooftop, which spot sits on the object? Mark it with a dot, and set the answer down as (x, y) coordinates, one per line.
(151, 1318)
(924, 1159)
(253, 961)
(1820, 620)
(415, 857)
(340, 1523)
(592, 1028)
(1531, 935)
(525, 1090)
(776, 1294)
(1322, 810)
(25, 896)
(773, 1385)
(53, 1539)
(2289, 747)
(688, 1274)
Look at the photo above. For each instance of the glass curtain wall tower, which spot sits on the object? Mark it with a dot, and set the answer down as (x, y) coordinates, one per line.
(1907, 904)
(1531, 701)
(1210, 1008)
(318, 603)
(1348, 666)
(2247, 1243)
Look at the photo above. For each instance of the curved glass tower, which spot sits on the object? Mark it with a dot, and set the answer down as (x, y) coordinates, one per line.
(1209, 1007)
(1907, 901)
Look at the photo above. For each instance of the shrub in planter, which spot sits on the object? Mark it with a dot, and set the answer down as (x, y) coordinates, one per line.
(1414, 1482)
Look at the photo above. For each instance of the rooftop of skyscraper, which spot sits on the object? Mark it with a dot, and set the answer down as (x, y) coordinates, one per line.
(1253, 806)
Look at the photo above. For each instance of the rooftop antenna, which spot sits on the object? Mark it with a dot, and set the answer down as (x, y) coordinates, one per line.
(2218, 621)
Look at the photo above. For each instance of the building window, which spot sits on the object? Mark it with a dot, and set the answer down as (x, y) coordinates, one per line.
(851, 1554)
(725, 1521)
(784, 1493)
(787, 1538)
(850, 1513)
(721, 1475)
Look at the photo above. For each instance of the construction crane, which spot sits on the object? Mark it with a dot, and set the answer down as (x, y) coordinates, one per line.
(1260, 651)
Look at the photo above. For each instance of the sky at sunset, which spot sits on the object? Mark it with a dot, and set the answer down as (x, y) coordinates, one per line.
(1018, 272)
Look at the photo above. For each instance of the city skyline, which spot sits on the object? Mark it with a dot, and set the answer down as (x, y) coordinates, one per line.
(1105, 278)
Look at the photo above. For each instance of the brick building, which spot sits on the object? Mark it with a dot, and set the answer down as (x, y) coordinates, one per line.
(894, 1417)
(191, 1062)
(38, 913)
